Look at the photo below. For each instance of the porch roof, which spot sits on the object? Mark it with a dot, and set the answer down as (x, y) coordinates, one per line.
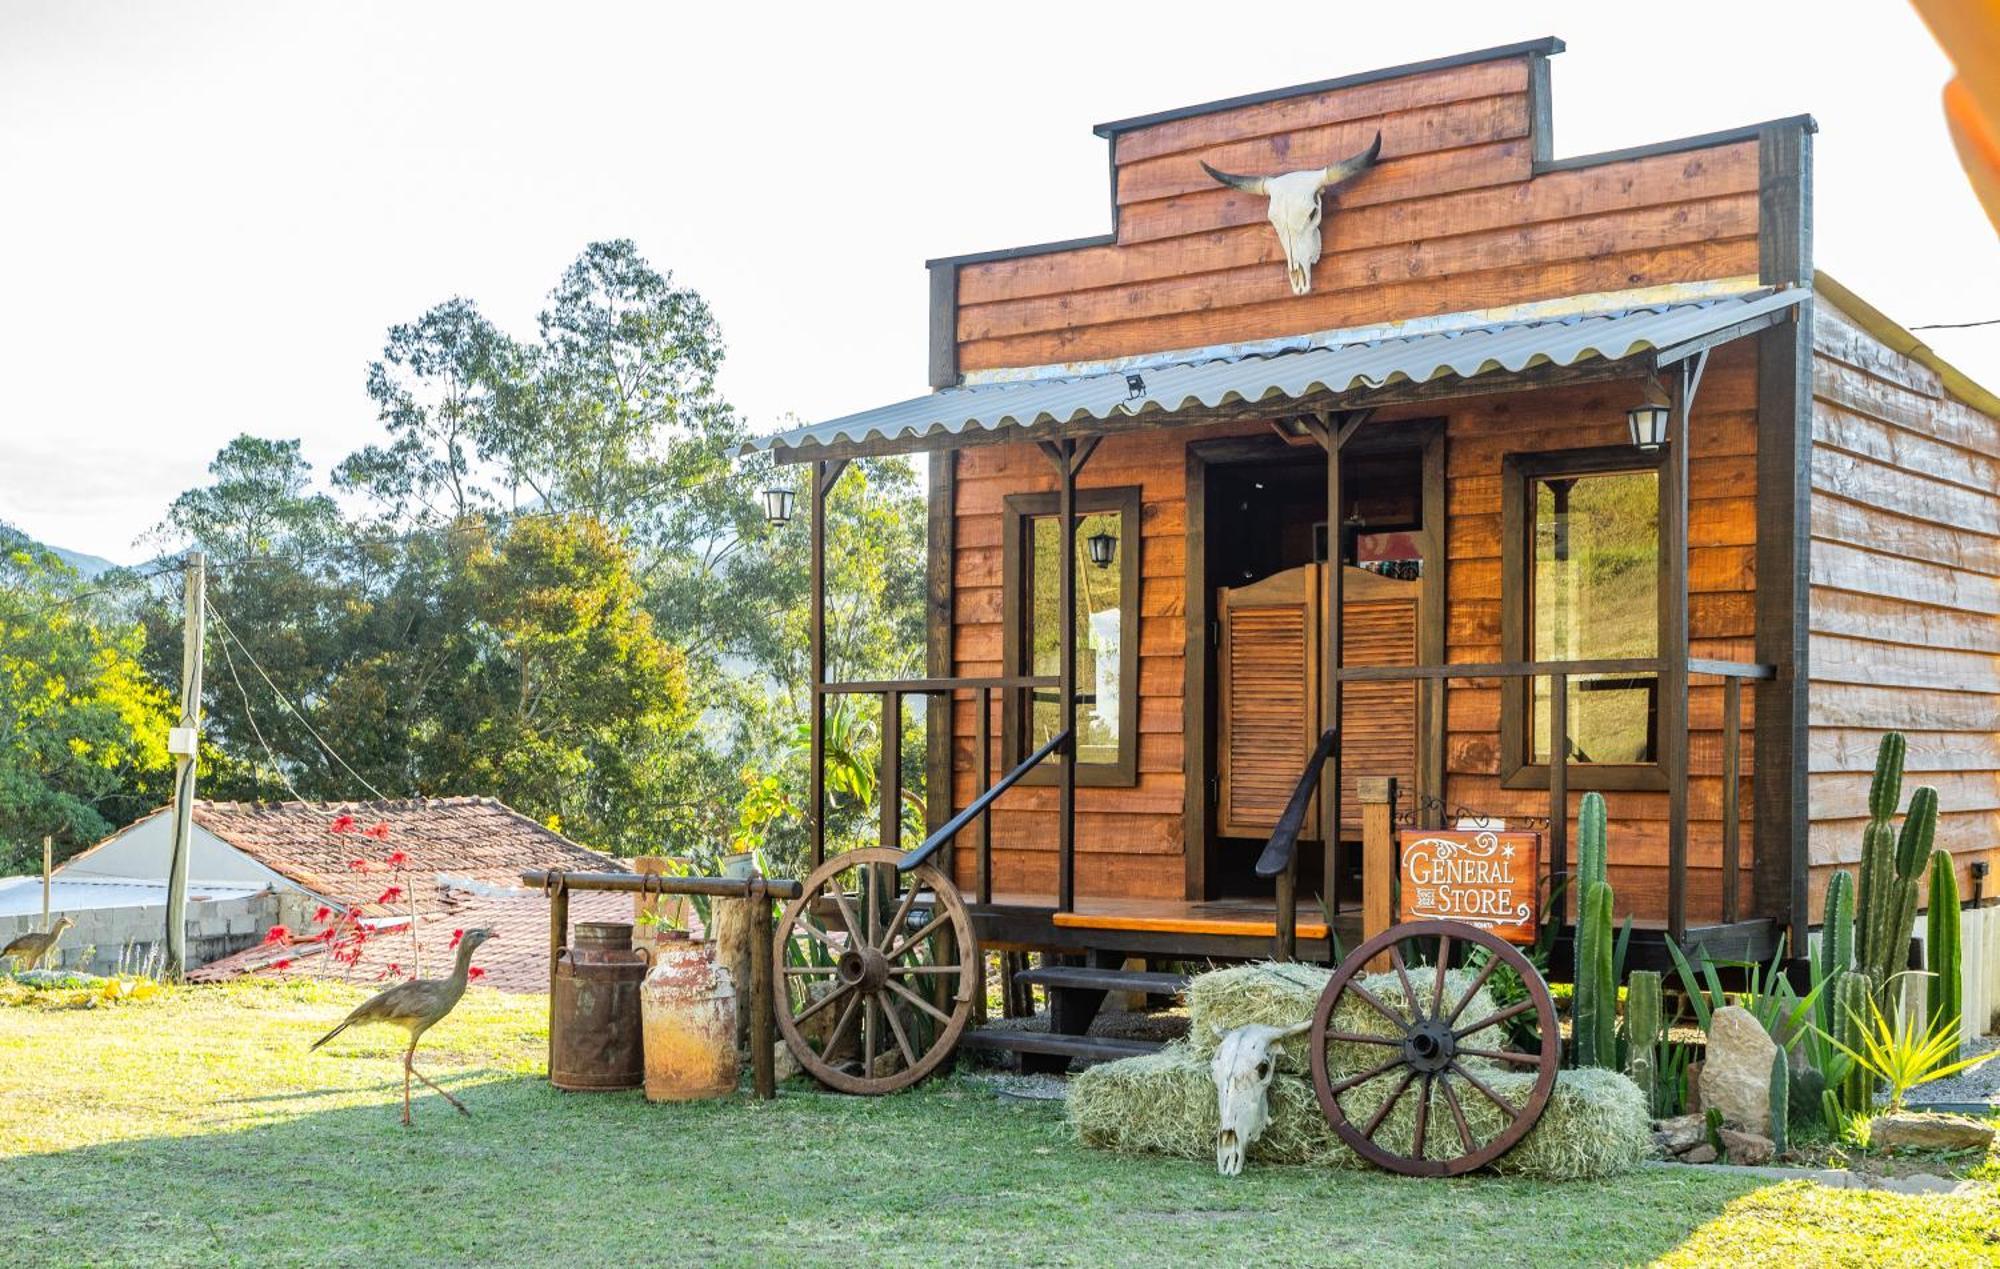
(1668, 331)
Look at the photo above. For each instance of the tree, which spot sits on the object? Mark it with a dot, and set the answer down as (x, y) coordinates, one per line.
(83, 729)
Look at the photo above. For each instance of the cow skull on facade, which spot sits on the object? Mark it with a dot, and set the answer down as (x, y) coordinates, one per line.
(1243, 1068)
(1295, 208)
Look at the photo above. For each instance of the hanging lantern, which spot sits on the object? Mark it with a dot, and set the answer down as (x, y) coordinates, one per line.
(778, 507)
(1103, 547)
(1649, 424)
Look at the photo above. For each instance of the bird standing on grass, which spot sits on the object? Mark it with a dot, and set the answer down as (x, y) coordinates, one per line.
(417, 1006)
(29, 949)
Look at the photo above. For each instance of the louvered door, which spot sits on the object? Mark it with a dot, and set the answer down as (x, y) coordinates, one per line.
(1379, 721)
(1268, 707)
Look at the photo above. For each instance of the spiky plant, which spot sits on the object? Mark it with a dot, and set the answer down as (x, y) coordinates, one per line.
(1942, 957)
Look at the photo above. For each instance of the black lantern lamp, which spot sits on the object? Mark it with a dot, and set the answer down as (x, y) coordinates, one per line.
(778, 507)
(1648, 423)
(1103, 547)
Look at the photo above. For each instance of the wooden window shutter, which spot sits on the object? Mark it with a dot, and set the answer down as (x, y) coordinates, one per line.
(1269, 704)
(1379, 723)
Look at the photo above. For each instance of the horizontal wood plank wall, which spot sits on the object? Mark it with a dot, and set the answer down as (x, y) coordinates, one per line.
(1905, 598)
(1452, 219)
(1722, 615)
(1128, 840)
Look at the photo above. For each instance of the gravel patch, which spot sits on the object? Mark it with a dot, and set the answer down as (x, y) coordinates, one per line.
(1978, 1086)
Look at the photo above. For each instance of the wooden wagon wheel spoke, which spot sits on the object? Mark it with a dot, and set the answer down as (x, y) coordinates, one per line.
(1508, 1108)
(1503, 1055)
(1356, 1081)
(1382, 1111)
(1423, 1050)
(886, 1036)
(1457, 1112)
(1479, 980)
(917, 1000)
(1514, 1010)
(1403, 977)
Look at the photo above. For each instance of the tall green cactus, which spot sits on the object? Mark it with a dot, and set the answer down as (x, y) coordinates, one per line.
(1595, 1036)
(1642, 1034)
(1885, 794)
(1941, 948)
(1852, 993)
(1836, 940)
(1591, 842)
(1781, 1100)
(1892, 866)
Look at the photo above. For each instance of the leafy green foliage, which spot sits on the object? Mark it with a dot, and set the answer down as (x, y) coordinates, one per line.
(1905, 1053)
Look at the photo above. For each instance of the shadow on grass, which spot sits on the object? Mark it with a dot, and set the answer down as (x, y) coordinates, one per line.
(947, 1173)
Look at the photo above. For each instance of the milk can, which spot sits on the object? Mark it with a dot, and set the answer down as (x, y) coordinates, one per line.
(689, 1006)
(594, 1014)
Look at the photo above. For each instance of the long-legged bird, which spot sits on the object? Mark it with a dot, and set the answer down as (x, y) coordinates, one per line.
(417, 1006)
(29, 949)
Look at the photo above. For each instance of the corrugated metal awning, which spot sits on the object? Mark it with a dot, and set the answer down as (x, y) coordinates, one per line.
(1315, 371)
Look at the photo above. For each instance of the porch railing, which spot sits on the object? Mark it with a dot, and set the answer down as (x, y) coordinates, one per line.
(1279, 857)
(889, 776)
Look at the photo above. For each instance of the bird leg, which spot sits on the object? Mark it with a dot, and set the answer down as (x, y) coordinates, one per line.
(407, 1070)
(440, 1092)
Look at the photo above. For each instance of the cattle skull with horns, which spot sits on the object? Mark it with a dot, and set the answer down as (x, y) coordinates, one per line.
(1295, 208)
(1244, 1065)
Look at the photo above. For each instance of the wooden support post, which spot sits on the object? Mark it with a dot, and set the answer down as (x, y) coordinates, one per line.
(1286, 946)
(889, 783)
(1333, 431)
(1559, 787)
(1377, 795)
(762, 1006)
(983, 756)
(558, 935)
(1673, 717)
(1732, 814)
(1069, 456)
(816, 667)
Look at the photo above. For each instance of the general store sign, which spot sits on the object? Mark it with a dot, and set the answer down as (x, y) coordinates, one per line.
(1481, 877)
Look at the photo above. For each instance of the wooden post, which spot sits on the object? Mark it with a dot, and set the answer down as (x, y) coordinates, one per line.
(187, 740)
(983, 756)
(889, 783)
(1336, 581)
(763, 1069)
(816, 667)
(558, 936)
(48, 875)
(1732, 813)
(1377, 795)
(1066, 810)
(1558, 788)
(1674, 656)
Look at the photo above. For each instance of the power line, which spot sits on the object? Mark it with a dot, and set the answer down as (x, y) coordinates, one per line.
(250, 714)
(1990, 321)
(228, 631)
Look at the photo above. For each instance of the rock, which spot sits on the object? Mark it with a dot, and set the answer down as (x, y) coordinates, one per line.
(1904, 1130)
(1680, 1133)
(1747, 1148)
(1736, 1075)
(783, 1064)
(1693, 1081)
(1703, 1153)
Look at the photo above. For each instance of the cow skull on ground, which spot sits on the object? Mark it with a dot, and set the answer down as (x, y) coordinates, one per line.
(1295, 208)
(1243, 1067)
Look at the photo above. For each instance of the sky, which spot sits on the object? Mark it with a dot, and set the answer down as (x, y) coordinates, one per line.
(211, 212)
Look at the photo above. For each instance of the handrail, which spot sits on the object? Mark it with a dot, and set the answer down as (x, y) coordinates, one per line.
(935, 686)
(1544, 669)
(1279, 851)
(951, 827)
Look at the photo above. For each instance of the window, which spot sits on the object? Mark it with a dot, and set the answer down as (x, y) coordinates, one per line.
(1581, 582)
(1107, 630)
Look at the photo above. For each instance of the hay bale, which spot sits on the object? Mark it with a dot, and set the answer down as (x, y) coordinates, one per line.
(1164, 1103)
(1283, 994)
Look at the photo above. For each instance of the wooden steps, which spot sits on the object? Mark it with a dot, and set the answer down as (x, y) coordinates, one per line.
(1184, 921)
(1091, 1048)
(1092, 978)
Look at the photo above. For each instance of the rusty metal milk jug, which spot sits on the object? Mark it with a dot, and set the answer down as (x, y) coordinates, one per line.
(688, 1003)
(594, 1013)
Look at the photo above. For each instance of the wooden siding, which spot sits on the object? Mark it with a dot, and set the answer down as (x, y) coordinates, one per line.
(1905, 596)
(1722, 615)
(1454, 218)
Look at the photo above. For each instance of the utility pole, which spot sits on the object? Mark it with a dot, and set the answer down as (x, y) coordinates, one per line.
(48, 867)
(183, 742)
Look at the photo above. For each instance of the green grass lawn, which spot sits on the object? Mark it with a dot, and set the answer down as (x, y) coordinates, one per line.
(195, 1128)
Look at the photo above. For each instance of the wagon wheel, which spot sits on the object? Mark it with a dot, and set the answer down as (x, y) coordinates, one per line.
(879, 969)
(1425, 1040)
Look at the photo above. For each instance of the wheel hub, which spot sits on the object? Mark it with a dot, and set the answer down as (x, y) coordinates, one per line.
(863, 967)
(1429, 1047)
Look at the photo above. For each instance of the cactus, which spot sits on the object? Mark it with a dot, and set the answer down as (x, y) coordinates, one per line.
(1781, 1099)
(1592, 850)
(1892, 865)
(1885, 794)
(1941, 949)
(1851, 995)
(1836, 940)
(1808, 1090)
(1642, 1033)
(1595, 1033)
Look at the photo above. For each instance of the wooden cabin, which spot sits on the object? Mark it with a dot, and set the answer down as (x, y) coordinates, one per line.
(1389, 547)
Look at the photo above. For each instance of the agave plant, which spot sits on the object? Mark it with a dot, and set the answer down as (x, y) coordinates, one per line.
(1905, 1054)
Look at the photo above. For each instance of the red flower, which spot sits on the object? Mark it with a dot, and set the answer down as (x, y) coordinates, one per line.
(322, 916)
(398, 859)
(277, 934)
(390, 895)
(456, 935)
(341, 824)
(357, 865)
(378, 831)
(475, 974)
(283, 963)
(327, 935)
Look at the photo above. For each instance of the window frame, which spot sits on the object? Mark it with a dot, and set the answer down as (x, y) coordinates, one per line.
(1518, 473)
(1021, 511)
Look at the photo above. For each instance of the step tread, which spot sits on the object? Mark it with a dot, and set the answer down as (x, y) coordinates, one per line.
(1151, 982)
(1095, 1047)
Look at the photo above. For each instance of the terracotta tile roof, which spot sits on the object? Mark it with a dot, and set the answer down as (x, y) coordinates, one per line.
(471, 838)
(516, 961)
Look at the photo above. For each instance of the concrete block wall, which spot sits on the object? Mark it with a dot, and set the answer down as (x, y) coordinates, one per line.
(102, 937)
